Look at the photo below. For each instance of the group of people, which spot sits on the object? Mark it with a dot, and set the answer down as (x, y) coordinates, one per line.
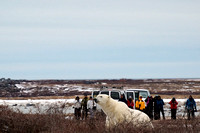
(154, 106)
(81, 109)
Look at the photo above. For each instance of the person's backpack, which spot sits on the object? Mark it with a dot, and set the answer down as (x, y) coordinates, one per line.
(159, 103)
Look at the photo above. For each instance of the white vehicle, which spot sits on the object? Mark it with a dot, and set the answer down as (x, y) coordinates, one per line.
(138, 92)
(135, 93)
(115, 94)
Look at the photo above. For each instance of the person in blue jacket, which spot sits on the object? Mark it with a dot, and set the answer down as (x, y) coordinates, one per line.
(190, 106)
(160, 104)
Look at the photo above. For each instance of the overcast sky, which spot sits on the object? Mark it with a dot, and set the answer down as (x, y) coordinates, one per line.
(99, 39)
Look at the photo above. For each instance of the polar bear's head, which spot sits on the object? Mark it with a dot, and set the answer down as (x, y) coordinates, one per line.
(102, 99)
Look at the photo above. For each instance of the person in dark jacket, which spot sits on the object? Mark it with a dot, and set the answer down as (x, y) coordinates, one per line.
(149, 107)
(190, 106)
(173, 104)
(156, 110)
(160, 104)
(122, 99)
(84, 107)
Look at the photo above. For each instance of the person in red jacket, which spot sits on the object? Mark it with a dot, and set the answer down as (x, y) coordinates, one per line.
(130, 102)
(173, 104)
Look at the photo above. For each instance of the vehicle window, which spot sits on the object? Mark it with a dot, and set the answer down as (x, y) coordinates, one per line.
(143, 94)
(115, 95)
(105, 92)
(95, 93)
(130, 94)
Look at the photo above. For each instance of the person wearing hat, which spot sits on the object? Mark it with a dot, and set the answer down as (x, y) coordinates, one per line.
(191, 107)
(90, 106)
(84, 107)
(140, 105)
(77, 108)
(130, 102)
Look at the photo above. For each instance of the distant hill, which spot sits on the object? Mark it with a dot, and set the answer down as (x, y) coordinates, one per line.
(33, 88)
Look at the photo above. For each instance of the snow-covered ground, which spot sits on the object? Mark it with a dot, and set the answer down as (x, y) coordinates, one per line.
(181, 107)
(42, 106)
(31, 88)
(39, 106)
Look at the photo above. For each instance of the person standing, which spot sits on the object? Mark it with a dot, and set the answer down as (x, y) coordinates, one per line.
(77, 108)
(90, 106)
(173, 104)
(156, 111)
(84, 107)
(130, 102)
(122, 99)
(190, 106)
(160, 105)
(149, 107)
(140, 105)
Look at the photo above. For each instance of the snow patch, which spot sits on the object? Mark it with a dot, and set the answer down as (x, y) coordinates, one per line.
(19, 86)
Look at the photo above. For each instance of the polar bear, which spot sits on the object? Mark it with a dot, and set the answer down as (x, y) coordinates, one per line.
(118, 112)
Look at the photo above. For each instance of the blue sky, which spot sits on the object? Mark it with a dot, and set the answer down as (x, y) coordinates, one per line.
(97, 39)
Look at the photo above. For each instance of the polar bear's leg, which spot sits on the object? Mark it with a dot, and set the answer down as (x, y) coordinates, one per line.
(151, 126)
(107, 122)
(110, 123)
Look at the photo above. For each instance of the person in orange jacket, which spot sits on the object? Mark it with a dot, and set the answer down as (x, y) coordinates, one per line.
(140, 105)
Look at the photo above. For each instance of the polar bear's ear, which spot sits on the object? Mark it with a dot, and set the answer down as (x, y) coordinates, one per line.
(108, 96)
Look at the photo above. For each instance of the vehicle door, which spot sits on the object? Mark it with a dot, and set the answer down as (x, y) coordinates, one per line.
(131, 93)
(144, 94)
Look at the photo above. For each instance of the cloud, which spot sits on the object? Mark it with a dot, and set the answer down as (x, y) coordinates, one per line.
(78, 24)
(46, 38)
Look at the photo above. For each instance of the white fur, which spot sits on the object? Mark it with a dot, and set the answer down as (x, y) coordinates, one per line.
(119, 112)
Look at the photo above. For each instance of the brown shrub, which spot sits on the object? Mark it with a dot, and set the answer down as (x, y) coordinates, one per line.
(55, 122)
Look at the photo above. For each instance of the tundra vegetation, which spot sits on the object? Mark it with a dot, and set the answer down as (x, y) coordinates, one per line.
(41, 88)
(54, 121)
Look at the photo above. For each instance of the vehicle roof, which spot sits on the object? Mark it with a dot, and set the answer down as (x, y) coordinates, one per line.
(137, 90)
(112, 90)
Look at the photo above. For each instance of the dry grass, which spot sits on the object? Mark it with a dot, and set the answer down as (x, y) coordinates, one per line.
(55, 122)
